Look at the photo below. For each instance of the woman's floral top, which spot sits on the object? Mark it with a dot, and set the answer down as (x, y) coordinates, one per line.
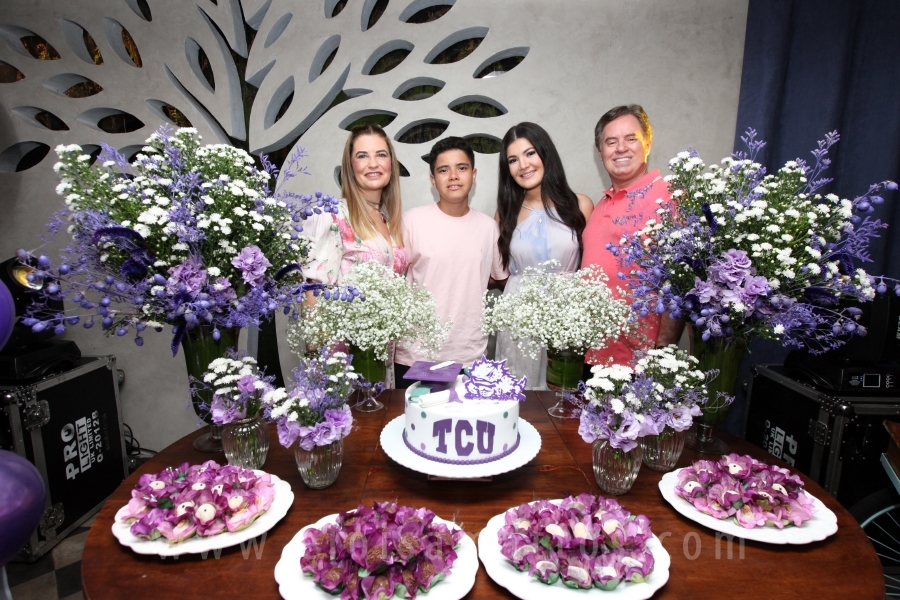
(336, 248)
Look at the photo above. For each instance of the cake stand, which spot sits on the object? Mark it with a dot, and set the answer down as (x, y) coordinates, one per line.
(395, 447)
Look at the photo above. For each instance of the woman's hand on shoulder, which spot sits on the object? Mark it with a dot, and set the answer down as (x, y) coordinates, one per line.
(585, 205)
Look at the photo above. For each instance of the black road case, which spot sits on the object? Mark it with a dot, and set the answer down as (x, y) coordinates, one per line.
(836, 440)
(69, 426)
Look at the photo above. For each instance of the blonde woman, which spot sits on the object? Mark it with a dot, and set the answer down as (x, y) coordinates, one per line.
(367, 225)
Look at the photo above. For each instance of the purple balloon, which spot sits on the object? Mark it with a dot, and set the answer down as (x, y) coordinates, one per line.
(7, 314)
(21, 503)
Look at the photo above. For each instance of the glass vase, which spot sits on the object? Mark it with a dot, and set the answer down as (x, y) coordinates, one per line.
(662, 451)
(372, 368)
(199, 349)
(320, 466)
(726, 357)
(246, 442)
(564, 368)
(614, 469)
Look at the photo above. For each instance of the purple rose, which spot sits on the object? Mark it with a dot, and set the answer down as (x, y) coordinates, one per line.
(247, 384)
(625, 438)
(253, 264)
(190, 274)
(591, 427)
(341, 420)
(288, 432)
(706, 292)
(732, 268)
(224, 411)
(654, 422)
(680, 419)
(755, 286)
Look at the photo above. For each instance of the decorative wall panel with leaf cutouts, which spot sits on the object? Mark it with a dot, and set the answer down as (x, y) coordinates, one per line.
(268, 75)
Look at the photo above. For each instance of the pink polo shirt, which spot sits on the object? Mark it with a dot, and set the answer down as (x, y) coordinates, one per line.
(615, 215)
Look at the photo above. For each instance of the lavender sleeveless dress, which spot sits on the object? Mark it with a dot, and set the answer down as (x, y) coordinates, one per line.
(537, 239)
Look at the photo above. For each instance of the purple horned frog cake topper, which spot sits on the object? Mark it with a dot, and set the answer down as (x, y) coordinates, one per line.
(491, 379)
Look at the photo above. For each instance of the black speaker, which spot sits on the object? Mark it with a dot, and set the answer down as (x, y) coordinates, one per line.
(69, 425)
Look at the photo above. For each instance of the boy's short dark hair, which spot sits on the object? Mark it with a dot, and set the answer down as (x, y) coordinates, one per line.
(450, 143)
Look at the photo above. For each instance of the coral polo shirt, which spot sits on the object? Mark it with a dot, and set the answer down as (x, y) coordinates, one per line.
(616, 214)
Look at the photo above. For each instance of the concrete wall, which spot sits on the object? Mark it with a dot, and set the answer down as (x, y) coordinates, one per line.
(680, 60)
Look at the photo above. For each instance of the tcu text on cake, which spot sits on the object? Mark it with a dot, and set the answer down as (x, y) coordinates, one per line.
(464, 428)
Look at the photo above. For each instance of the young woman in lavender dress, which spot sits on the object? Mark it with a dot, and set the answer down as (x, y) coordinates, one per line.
(540, 219)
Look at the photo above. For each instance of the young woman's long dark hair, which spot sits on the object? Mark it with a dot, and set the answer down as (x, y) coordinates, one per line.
(555, 190)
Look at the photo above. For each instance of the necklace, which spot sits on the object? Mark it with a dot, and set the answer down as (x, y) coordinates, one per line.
(525, 206)
(377, 206)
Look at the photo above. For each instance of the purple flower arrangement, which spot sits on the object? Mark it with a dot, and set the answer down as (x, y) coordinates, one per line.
(237, 388)
(586, 541)
(202, 500)
(750, 492)
(663, 389)
(315, 411)
(185, 234)
(380, 551)
(741, 253)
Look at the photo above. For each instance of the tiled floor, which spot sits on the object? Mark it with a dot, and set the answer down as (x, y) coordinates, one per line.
(56, 575)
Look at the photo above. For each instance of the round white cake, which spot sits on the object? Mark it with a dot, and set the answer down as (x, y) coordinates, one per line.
(446, 427)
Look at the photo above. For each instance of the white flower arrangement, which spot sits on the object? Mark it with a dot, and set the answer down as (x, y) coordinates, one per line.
(664, 388)
(743, 254)
(237, 388)
(394, 309)
(184, 234)
(574, 311)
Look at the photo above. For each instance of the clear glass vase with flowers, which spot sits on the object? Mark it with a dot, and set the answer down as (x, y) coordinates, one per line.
(237, 388)
(315, 415)
(190, 235)
(741, 253)
(624, 405)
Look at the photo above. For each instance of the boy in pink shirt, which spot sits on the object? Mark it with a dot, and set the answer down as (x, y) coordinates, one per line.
(452, 253)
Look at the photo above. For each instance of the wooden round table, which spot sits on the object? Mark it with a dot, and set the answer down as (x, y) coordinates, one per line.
(844, 565)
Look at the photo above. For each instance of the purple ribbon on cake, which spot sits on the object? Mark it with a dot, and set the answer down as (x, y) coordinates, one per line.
(490, 379)
(454, 397)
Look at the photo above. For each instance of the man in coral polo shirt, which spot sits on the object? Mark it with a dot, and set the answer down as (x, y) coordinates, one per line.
(623, 137)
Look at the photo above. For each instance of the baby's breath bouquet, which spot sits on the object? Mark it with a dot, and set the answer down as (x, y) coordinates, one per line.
(394, 309)
(562, 311)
